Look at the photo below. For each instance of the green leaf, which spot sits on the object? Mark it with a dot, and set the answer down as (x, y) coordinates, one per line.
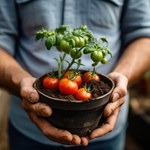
(104, 40)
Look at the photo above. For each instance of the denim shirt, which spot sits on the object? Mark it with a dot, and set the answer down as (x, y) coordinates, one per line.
(120, 21)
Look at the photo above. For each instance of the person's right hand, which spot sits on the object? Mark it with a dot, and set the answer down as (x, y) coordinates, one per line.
(37, 111)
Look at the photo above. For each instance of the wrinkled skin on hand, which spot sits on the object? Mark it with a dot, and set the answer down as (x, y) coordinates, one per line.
(112, 109)
(37, 110)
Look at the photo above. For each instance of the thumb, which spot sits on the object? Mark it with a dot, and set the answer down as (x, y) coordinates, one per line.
(27, 91)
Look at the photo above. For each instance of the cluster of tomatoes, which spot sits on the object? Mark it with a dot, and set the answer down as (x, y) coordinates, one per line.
(72, 41)
(70, 84)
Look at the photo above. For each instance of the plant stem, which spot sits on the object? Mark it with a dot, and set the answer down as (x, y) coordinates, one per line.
(72, 62)
(60, 64)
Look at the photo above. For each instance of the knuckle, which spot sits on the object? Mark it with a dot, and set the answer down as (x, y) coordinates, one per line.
(108, 110)
(24, 91)
(122, 92)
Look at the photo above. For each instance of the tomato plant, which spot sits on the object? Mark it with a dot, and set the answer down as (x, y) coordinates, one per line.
(50, 83)
(73, 42)
(83, 94)
(68, 87)
(88, 76)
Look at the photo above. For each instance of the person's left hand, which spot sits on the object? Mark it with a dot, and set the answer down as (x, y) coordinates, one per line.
(112, 109)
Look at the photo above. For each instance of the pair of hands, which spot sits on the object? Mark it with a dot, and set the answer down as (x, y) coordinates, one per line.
(37, 110)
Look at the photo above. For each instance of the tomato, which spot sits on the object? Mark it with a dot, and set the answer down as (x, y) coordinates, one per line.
(88, 76)
(73, 53)
(68, 87)
(83, 95)
(76, 40)
(96, 56)
(104, 60)
(86, 39)
(81, 42)
(83, 27)
(65, 46)
(72, 42)
(50, 83)
(73, 76)
(58, 39)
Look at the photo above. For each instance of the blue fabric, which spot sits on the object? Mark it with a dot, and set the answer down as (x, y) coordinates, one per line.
(20, 19)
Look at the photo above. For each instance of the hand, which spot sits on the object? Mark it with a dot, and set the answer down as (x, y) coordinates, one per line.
(112, 109)
(37, 110)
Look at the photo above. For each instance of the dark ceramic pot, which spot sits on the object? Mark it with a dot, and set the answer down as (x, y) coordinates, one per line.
(76, 116)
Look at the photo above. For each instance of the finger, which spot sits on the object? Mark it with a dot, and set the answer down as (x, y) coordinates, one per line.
(112, 106)
(108, 125)
(40, 109)
(84, 141)
(121, 86)
(27, 90)
(76, 140)
(54, 134)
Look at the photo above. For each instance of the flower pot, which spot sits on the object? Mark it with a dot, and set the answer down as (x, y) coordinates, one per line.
(78, 117)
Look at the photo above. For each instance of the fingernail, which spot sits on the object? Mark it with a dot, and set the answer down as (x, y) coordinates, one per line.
(115, 97)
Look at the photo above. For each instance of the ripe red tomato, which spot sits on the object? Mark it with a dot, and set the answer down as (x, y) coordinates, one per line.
(73, 76)
(50, 83)
(83, 95)
(67, 87)
(88, 76)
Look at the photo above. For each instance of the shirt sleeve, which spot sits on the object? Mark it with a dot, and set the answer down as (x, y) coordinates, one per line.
(8, 26)
(135, 20)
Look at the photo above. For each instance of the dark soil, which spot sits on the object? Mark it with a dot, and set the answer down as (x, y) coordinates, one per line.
(97, 88)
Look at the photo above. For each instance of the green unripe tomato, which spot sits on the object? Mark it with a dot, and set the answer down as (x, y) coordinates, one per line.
(58, 39)
(86, 40)
(81, 42)
(83, 27)
(76, 40)
(72, 42)
(104, 60)
(75, 53)
(96, 56)
(65, 46)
